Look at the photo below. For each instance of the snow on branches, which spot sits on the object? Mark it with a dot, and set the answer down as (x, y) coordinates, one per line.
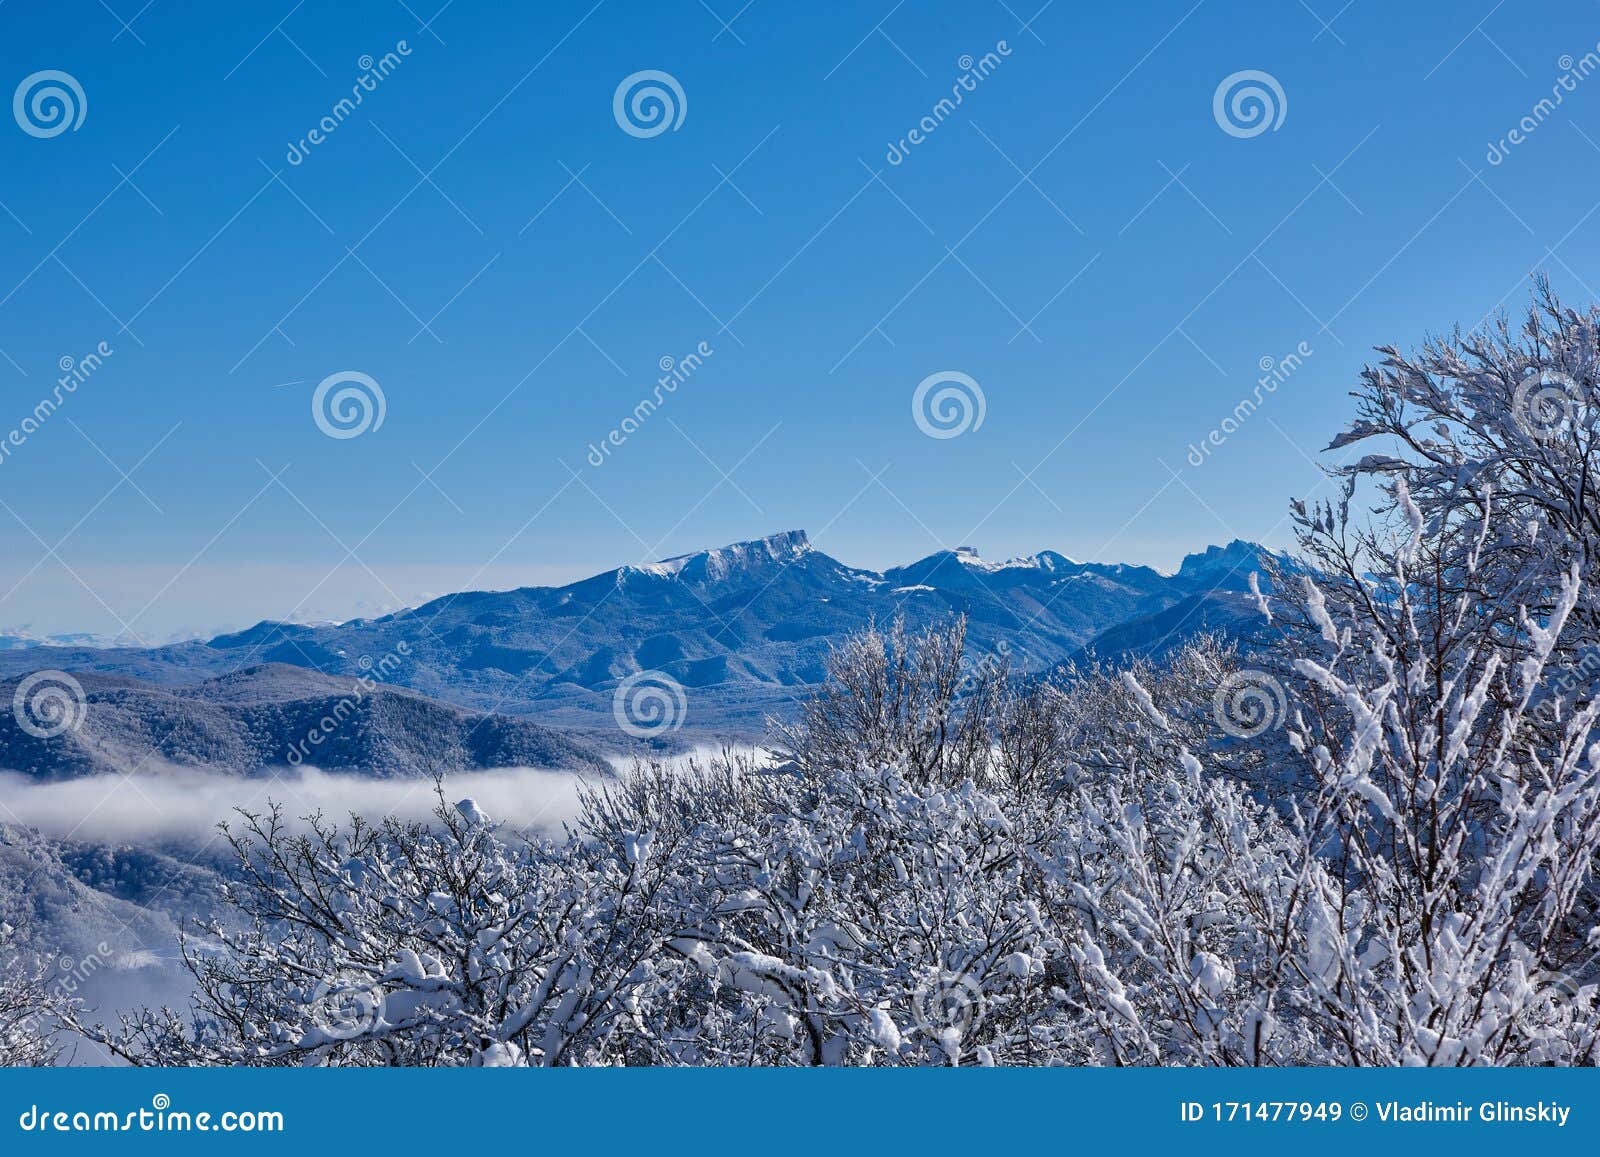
(950, 863)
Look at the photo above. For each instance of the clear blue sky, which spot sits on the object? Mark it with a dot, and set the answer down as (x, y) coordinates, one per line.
(1113, 307)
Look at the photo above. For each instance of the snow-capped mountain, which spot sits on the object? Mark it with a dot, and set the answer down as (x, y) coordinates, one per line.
(21, 639)
(743, 628)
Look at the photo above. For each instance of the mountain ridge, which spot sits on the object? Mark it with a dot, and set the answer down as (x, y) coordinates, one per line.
(272, 715)
(745, 628)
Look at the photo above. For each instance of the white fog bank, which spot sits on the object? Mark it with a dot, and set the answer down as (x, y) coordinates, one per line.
(184, 804)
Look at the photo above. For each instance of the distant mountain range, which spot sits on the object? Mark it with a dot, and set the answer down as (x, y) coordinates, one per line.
(745, 629)
(272, 715)
(20, 640)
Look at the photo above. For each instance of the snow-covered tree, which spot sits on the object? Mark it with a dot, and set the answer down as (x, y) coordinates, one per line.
(409, 944)
(1494, 435)
(1370, 840)
(30, 1005)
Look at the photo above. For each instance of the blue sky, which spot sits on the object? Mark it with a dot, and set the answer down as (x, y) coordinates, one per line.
(1081, 237)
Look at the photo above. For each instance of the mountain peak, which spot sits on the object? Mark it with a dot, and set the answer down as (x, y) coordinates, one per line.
(717, 564)
(1227, 566)
(792, 542)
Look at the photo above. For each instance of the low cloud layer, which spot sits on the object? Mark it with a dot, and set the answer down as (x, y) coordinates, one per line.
(182, 804)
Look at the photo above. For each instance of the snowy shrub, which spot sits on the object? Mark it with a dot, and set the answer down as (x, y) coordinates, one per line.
(404, 944)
